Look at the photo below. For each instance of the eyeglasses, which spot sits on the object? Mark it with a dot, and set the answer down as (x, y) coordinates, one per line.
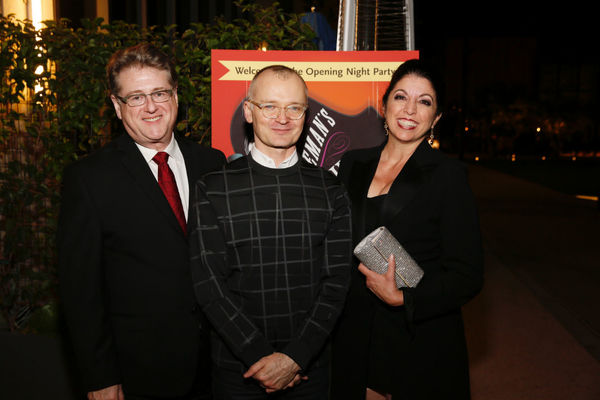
(271, 111)
(139, 99)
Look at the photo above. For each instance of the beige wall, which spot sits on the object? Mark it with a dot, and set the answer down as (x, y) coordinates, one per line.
(102, 10)
(24, 9)
(17, 7)
(47, 9)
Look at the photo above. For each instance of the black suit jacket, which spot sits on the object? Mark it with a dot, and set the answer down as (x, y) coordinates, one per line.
(431, 211)
(124, 273)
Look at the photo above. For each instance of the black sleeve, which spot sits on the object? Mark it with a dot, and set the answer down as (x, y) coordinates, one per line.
(81, 278)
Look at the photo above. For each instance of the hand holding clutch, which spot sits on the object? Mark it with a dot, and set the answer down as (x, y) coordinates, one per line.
(384, 285)
(374, 251)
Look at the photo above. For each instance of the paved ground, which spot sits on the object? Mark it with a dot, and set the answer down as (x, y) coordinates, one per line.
(550, 242)
(533, 332)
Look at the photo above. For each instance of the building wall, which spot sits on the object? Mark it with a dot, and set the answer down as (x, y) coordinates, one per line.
(28, 9)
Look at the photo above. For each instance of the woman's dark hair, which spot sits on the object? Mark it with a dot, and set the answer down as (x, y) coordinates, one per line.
(140, 55)
(420, 69)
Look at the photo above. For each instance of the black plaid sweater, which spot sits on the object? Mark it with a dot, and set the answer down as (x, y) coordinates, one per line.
(271, 253)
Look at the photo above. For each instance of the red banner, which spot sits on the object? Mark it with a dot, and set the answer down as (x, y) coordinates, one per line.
(345, 90)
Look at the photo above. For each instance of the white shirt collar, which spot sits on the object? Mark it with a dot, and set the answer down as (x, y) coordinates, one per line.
(268, 162)
(172, 150)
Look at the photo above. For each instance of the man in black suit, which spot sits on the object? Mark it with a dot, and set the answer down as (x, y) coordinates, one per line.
(123, 248)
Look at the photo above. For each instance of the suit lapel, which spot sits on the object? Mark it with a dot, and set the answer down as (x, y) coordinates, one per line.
(137, 167)
(192, 170)
(191, 162)
(408, 182)
(360, 179)
(403, 189)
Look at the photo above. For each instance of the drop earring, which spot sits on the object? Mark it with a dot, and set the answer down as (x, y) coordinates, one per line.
(387, 129)
(431, 137)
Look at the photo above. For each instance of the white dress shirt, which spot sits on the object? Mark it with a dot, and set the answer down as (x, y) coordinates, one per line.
(177, 165)
(267, 161)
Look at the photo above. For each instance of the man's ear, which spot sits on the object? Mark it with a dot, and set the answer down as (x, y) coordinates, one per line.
(247, 112)
(116, 104)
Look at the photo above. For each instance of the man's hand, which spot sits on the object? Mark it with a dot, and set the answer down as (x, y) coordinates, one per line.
(109, 393)
(384, 285)
(274, 372)
(297, 379)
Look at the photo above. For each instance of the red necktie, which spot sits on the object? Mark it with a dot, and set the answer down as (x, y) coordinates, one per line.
(166, 181)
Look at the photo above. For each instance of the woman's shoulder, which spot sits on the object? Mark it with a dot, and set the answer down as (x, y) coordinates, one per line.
(451, 165)
(448, 171)
(430, 158)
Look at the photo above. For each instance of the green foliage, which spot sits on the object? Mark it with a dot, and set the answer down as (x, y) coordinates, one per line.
(43, 130)
(261, 26)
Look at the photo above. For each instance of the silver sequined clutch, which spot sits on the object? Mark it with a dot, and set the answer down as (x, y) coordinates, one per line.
(374, 251)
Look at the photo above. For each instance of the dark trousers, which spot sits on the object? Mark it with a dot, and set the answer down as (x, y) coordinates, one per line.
(201, 391)
(231, 385)
(204, 396)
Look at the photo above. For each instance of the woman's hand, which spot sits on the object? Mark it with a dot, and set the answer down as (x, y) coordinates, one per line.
(384, 285)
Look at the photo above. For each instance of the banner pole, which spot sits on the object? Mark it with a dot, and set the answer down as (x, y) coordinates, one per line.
(410, 26)
(346, 32)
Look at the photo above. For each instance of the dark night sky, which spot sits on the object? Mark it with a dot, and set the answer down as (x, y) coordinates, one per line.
(559, 26)
(564, 28)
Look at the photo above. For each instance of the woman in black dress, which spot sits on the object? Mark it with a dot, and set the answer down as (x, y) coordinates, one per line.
(409, 343)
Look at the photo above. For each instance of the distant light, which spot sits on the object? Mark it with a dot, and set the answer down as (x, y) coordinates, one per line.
(36, 14)
(543, 158)
(466, 129)
(513, 158)
(584, 197)
(263, 46)
(36, 20)
(38, 71)
(538, 130)
(573, 158)
(476, 158)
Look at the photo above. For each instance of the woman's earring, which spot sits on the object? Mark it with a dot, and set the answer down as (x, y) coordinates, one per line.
(431, 137)
(387, 129)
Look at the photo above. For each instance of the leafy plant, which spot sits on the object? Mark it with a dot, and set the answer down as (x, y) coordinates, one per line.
(54, 109)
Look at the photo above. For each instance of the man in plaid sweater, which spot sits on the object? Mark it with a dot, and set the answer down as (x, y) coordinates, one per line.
(271, 254)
